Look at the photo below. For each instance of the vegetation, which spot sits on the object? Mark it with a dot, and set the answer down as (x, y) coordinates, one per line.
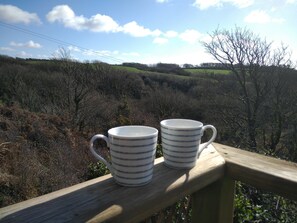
(209, 71)
(259, 73)
(160, 67)
(50, 109)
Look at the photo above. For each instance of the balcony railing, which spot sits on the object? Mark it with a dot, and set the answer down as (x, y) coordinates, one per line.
(211, 183)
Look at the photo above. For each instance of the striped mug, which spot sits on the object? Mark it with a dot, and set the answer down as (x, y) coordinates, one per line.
(132, 152)
(181, 140)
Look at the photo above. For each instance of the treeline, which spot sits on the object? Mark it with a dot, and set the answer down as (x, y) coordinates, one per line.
(50, 109)
(174, 68)
(93, 95)
(168, 68)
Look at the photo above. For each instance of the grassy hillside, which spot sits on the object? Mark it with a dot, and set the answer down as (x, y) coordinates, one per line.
(199, 71)
(189, 72)
(129, 69)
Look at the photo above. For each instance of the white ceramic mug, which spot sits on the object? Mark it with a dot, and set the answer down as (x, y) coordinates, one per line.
(181, 140)
(132, 152)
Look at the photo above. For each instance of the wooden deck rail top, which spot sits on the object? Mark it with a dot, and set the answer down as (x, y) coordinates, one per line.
(211, 182)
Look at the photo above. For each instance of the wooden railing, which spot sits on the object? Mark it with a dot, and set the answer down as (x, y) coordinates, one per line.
(211, 183)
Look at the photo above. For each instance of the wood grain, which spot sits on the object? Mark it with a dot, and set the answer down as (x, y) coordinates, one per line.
(214, 203)
(102, 200)
(211, 182)
(263, 172)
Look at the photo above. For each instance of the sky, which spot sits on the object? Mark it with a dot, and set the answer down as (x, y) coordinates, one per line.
(142, 31)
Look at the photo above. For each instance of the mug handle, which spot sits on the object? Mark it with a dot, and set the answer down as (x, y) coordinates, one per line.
(93, 139)
(214, 134)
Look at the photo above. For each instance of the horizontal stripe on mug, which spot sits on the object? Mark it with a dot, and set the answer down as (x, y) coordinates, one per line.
(179, 151)
(132, 145)
(180, 157)
(143, 171)
(181, 130)
(127, 139)
(180, 165)
(173, 161)
(180, 140)
(166, 133)
(136, 153)
(133, 178)
(180, 146)
(135, 159)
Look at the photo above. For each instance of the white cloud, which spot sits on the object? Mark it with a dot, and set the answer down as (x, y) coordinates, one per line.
(106, 53)
(32, 44)
(29, 44)
(97, 23)
(132, 54)
(191, 36)
(13, 14)
(12, 43)
(261, 17)
(74, 48)
(203, 4)
(23, 54)
(102, 23)
(170, 34)
(160, 40)
(291, 1)
(61, 13)
(114, 56)
(241, 3)
(133, 29)
(192, 55)
(161, 1)
(6, 49)
(96, 53)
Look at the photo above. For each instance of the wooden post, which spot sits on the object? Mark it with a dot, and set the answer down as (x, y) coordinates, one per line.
(214, 203)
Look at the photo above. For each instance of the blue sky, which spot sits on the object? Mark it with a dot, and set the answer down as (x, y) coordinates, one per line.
(145, 31)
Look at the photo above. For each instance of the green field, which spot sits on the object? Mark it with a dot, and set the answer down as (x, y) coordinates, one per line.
(193, 71)
(133, 70)
(129, 69)
(198, 71)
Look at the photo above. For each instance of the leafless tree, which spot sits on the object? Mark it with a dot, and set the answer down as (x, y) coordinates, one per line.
(255, 64)
(78, 82)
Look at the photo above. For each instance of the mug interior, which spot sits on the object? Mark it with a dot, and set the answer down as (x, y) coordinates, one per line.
(133, 131)
(187, 124)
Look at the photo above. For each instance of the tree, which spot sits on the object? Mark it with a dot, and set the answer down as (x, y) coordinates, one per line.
(78, 82)
(188, 66)
(255, 65)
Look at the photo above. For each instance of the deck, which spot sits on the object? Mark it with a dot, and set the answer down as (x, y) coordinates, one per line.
(211, 183)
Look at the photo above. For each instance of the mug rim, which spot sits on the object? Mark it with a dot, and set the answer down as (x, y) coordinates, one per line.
(154, 132)
(195, 124)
